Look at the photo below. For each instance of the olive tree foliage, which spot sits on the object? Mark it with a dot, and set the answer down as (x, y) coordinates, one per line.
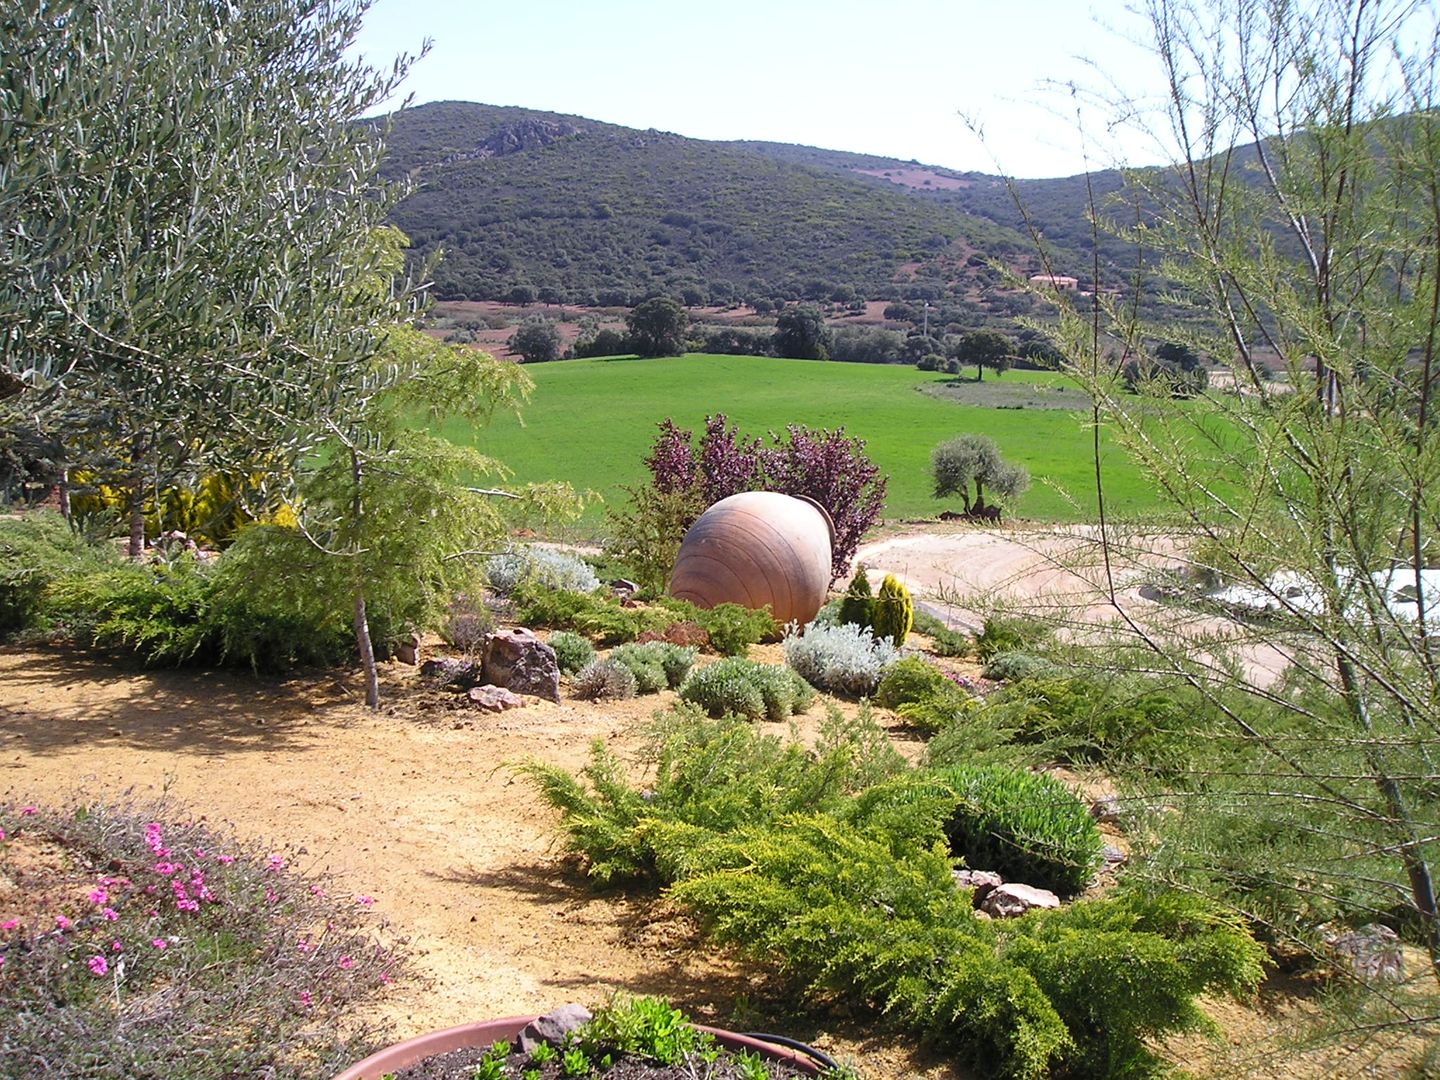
(186, 208)
(973, 463)
(1299, 226)
(657, 327)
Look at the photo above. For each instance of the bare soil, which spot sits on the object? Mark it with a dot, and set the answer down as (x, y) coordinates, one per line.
(414, 807)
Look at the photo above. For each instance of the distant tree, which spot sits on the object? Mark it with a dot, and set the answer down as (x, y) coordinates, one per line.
(692, 294)
(606, 342)
(919, 346)
(762, 305)
(1178, 355)
(657, 327)
(801, 332)
(537, 340)
(974, 462)
(985, 348)
(867, 345)
(521, 294)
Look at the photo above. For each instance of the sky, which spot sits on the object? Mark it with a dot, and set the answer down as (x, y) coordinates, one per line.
(888, 78)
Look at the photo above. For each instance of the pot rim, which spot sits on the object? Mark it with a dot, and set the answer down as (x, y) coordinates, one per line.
(481, 1033)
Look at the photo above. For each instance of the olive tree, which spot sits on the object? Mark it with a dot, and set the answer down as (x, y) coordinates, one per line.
(973, 462)
(1297, 232)
(186, 205)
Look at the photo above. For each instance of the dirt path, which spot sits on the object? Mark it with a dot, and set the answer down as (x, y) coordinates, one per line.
(403, 807)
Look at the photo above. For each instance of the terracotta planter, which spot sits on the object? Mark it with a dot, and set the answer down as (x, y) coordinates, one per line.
(754, 549)
(407, 1053)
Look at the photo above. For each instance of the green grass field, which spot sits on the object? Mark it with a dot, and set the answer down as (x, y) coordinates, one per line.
(591, 422)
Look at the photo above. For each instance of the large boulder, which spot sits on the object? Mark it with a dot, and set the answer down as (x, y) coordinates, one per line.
(1372, 952)
(520, 662)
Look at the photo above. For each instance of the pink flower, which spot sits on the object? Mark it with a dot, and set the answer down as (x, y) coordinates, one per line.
(29, 811)
(62, 923)
(275, 863)
(165, 869)
(346, 963)
(225, 860)
(115, 946)
(9, 924)
(2, 834)
(306, 999)
(365, 901)
(303, 946)
(316, 890)
(109, 914)
(160, 943)
(270, 896)
(97, 896)
(98, 965)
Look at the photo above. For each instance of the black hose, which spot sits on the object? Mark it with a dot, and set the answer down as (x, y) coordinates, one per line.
(781, 1040)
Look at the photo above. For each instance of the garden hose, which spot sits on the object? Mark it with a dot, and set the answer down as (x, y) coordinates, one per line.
(793, 1044)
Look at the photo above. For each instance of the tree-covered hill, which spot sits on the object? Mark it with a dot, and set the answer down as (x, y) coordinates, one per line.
(535, 205)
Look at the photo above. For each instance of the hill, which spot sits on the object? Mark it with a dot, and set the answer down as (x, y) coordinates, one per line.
(533, 205)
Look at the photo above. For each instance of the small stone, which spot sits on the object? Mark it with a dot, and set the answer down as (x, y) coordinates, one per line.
(1113, 856)
(1106, 810)
(553, 1027)
(408, 651)
(984, 882)
(462, 673)
(494, 699)
(1372, 951)
(1009, 900)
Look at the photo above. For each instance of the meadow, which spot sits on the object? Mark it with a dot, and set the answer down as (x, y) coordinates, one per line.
(591, 422)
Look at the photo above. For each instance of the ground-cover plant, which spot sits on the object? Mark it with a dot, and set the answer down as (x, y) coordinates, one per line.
(606, 680)
(809, 863)
(468, 624)
(1013, 666)
(1026, 826)
(741, 687)
(730, 629)
(843, 659)
(37, 550)
(925, 696)
(546, 567)
(1011, 633)
(572, 652)
(946, 642)
(1123, 722)
(598, 616)
(142, 947)
(656, 665)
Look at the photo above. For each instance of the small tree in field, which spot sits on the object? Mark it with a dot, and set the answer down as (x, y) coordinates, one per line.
(657, 327)
(985, 348)
(972, 463)
(536, 340)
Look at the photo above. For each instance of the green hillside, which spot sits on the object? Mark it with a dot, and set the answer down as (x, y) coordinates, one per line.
(591, 422)
(533, 205)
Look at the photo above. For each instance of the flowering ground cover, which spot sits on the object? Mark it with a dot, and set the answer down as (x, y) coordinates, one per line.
(135, 945)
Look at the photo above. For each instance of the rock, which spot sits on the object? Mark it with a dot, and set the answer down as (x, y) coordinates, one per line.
(494, 698)
(1106, 810)
(553, 1027)
(1010, 900)
(519, 661)
(1112, 856)
(984, 882)
(623, 589)
(462, 673)
(1372, 951)
(408, 651)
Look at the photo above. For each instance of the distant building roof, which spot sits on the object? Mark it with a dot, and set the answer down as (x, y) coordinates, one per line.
(1055, 281)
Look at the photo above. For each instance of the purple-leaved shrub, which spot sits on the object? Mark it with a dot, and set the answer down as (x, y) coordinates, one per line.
(827, 466)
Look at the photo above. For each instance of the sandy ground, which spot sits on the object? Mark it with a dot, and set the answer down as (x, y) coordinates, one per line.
(962, 571)
(408, 808)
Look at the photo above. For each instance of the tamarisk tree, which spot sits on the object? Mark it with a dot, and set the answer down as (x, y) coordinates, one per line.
(1300, 227)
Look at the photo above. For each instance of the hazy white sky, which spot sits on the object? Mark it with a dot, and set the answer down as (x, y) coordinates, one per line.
(887, 78)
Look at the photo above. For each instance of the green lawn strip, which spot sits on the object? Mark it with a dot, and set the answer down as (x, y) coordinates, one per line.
(591, 422)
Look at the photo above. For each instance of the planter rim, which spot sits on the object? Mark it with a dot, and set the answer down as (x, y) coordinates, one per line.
(482, 1033)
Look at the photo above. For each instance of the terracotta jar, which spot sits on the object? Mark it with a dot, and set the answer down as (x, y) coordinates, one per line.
(758, 548)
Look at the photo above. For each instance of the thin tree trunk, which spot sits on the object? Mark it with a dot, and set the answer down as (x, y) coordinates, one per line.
(136, 510)
(364, 645)
(367, 651)
(62, 490)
